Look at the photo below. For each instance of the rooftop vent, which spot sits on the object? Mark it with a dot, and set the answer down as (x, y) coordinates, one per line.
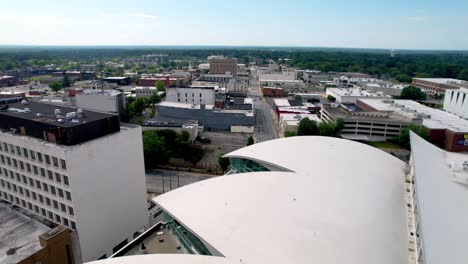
(39, 115)
(24, 102)
(27, 110)
(61, 120)
(70, 115)
(57, 112)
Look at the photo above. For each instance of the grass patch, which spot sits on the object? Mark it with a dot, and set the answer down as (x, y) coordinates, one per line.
(384, 144)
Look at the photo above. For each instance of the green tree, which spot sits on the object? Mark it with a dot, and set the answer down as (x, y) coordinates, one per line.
(250, 141)
(139, 105)
(326, 129)
(412, 93)
(402, 77)
(307, 127)
(298, 97)
(403, 138)
(463, 75)
(223, 163)
(154, 149)
(55, 86)
(289, 134)
(66, 82)
(160, 86)
(154, 99)
(331, 98)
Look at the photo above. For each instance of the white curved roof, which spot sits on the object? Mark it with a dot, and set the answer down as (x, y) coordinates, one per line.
(344, 203)
(306, 154)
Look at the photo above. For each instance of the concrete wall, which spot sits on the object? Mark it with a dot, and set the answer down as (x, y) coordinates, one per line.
(108, 190)
(103, 103)
(191, 95)
(242, 129)
(456, 102)
(209, 119)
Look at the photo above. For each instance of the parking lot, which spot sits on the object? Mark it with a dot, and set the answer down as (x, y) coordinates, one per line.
(221, 143)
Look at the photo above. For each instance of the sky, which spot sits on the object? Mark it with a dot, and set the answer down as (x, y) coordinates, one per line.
(389, 24)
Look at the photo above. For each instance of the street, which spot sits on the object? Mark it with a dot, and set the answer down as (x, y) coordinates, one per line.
(264, 123)
(161, 181)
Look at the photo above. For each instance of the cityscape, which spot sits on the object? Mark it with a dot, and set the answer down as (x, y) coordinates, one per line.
(152, 149)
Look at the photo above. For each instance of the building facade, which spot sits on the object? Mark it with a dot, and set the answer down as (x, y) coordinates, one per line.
(73, 180)
(223, 65)
(194, 95)
(438, 86)
(456, 102)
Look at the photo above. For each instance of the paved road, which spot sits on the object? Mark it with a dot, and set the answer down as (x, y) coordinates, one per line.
(264, 123)
(172, 180)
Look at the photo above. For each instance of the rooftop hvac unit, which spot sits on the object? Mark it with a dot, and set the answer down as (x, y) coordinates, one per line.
(61, 120)
(70, 115)
(57, 112)
(24, 102)
(27, 110)
(39, 115)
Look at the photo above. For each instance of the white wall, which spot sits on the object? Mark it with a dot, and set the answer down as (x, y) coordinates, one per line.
(456, 102)
(242, 129)
(103, 103)
(108, 190)
(191, 95)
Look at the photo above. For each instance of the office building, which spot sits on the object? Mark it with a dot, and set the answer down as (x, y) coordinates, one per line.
(438, 86)
(456, 102)
(335, 214)
(220, 78)
(223, 65)
(68, 166)
(144, 91)
(446, 130)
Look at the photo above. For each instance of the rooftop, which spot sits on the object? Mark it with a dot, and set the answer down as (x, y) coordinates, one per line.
(432, 118)
(183, 105)
(355, 92)
(442, 80)
(46, 113)
(348, 114)
(19, 233)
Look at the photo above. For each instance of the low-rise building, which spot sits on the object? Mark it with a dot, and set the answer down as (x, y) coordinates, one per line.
(110, 101)
(144, 91)
(197, 94)
(446, 130)
(26, 238)
(350, 95)
(125, 80)
(290, 121)
(273, 92)
(438, 86)
(7, 81)
(178, 125)
(367, 125)
(12, 93)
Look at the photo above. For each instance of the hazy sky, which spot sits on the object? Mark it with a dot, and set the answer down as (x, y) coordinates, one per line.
(412, 24)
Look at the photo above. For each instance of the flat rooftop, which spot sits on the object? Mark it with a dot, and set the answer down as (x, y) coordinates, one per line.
(355, 92)
(432, 118)
(45, 113)
(348, 114)
(19, 234)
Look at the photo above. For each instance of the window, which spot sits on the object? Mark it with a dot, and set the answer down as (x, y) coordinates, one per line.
(35, 169)
(52, 190)
(50, 174)
(31, 182)
(63, 207)
(28, 167)
(15, 163)
(41, 199)
(58, 178)
(65, 180)
(5, 147)
(38, 185)
(47, 199)
(39, 157)
(18, 151)
(55, 204)
(34, 196)
(45, 187)
(60, 191)
(21, 165)
(51, 215)
(12, 149)
(25, 179)
(63, 164)
(70, 211)
(65, 223)
(68, 196)
(73, 225)
(36, 209)
(55, 161)
(33, 155)
(47, 159)
(43, 174)
(43, 212)
(25, 153)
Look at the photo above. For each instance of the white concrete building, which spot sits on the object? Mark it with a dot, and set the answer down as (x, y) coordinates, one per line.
(81, 170)
(297, 206)
(144, 91)
(192, 95)
(350, 95)
(438, 199)
(290, 121)
(456, 102)
(110, 101)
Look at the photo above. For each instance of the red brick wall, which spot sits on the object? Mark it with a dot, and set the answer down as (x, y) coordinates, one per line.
(364, 106)
(268, 92)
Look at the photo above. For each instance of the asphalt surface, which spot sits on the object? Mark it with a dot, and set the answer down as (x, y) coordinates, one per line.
(264, 123)
(161, 181)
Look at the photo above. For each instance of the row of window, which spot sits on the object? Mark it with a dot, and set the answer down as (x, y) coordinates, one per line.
(39, 210)
(33, 155)
(33, 169)
(27, 181)
(193, 95)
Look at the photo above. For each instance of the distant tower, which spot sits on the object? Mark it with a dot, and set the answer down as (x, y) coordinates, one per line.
(392, 53)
